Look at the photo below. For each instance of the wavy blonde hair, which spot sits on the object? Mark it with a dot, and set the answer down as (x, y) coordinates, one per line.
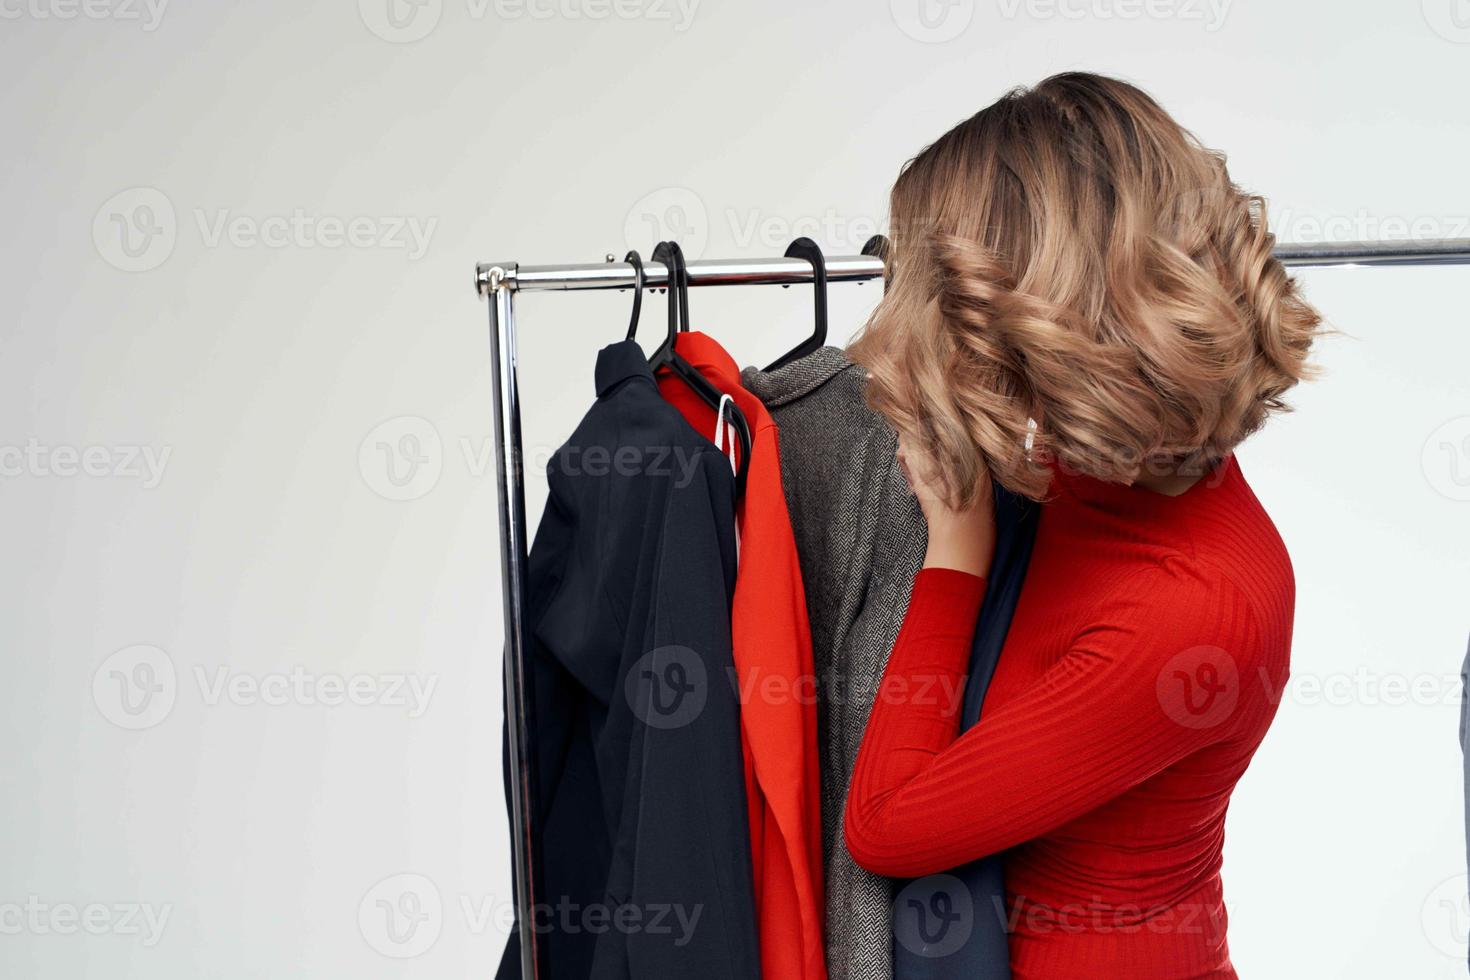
(1071, 255)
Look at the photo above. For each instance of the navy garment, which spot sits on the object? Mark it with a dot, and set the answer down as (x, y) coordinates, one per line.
(952, 926)
(641, 847)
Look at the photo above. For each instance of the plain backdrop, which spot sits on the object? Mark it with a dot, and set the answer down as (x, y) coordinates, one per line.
(249, 595)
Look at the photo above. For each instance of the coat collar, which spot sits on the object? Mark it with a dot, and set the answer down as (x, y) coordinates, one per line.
(797, 379)
(619, 362)
(706, 356)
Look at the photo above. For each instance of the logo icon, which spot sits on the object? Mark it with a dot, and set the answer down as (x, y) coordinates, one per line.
(1446, 459)
(402, 458)
(135, 230)
(675, 213)
(933, 916)
(401, 916)
(136, 687)
(1445, 916)
(1199, 687)
(667, 687)
(401, 21)
(1450, 19)
(932, 21)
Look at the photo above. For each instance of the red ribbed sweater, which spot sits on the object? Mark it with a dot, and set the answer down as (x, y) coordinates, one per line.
(1142, 668)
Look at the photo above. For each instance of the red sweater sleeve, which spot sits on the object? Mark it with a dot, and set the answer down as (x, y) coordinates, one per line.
(1098, 722)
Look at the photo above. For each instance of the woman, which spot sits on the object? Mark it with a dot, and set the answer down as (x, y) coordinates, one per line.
(1084, 308)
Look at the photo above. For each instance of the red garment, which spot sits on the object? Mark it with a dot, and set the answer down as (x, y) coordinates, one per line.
(773, 664)
(1143, 665)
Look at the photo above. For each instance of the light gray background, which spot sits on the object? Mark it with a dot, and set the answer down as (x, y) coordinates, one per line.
(321, 511)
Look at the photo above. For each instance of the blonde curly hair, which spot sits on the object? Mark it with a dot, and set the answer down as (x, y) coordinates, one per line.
(1071, 255)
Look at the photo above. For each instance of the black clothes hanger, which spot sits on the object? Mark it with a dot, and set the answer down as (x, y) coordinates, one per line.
(878, 247)
(805, 248)
(637, 262)
(672, 257)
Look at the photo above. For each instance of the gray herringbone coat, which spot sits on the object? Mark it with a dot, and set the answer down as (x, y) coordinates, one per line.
(861, 540)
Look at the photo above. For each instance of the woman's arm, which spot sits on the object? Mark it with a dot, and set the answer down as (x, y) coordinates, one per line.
(1107, 716)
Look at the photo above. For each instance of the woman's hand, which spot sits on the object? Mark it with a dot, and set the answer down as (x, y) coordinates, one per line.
(959, 538)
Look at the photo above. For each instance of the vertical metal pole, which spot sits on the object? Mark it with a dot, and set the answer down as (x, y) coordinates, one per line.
(512, 493)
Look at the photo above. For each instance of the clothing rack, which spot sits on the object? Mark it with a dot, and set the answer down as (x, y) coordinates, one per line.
(500, 282)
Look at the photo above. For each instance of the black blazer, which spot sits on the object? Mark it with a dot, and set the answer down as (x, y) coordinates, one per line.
(642, 847)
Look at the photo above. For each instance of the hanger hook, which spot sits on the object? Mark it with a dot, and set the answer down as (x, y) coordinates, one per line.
(878, 246)
(669, 253)
(637, 262)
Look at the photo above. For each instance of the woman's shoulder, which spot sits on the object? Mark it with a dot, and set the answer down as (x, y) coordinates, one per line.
(1243, 548)
(1237, 595)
